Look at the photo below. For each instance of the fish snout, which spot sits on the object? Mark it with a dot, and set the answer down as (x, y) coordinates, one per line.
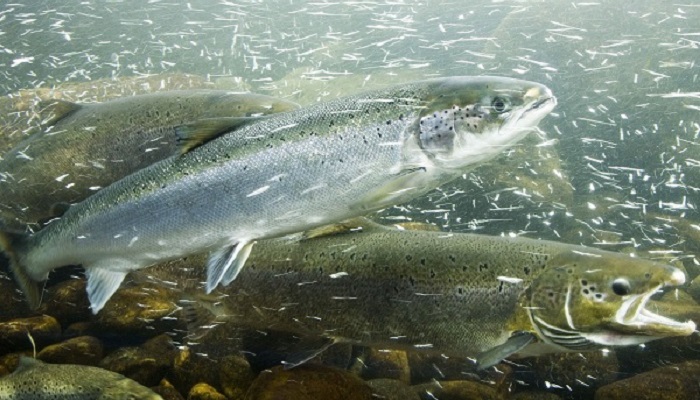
(676, 277)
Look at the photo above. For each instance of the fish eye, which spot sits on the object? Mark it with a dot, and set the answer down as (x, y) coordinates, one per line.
(500, 104)
(621, 287)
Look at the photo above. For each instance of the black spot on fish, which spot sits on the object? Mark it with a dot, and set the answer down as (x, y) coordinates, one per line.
(432, 274)
(584, 282)
(400, 117)
(422, 261)
(412, 281)
(500, 287)
(452, 258)
(352, 256)
(527, 270)
(388, 122)
(409, 257)
(585, 291)
(483, 266)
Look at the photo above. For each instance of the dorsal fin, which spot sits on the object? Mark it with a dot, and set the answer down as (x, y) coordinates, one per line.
(195, 134)
(54, 110)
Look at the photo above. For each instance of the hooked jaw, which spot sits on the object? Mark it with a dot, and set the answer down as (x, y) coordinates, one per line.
(635, 324)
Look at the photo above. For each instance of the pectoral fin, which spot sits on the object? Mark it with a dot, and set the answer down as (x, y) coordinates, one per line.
(225, 264)
(101, 285)
(195, 134)
(404, 185)
(511, 346)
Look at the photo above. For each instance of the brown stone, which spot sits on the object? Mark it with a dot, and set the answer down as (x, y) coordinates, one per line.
(534, 395)
(83, 328)
(12, 303)
(67, 302)
(190, 368)
(457, 390)
(15, 334)
(673, 382)
(146, 364)
(391, 389)
(387, 364)
(202, 391)
(235, 376)
(167, 391)
(82, 350)
(11, 360)
(308, 382)
(144, 311)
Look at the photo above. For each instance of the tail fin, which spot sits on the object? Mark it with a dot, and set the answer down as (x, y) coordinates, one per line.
(10, 244)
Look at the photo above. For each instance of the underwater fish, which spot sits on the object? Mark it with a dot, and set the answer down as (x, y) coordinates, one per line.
(36, 380)
(283, 174)
(84, 147)
(450, 293)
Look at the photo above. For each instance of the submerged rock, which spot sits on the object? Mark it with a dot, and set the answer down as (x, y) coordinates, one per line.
(308, 382)
(145, 311)
(67, 302)
(189, 369)
(235, 376)
(147, 364)
(673, 382)
(25, 333)
(202, 391)
(391, 389)
(167, 391)
(457, 390)
(82, 350)
(387, 364)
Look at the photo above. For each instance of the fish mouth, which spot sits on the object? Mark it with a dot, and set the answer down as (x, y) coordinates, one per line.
(635, 319)
(632, 324)
(530, 115)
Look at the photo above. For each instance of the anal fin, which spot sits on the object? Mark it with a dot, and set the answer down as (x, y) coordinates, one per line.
(494, 355)
(101, 285)
(225, 264)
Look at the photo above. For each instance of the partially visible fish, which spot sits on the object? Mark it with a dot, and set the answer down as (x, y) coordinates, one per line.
(85, 147)
(37, 380)
(283, 174)
(448, 293)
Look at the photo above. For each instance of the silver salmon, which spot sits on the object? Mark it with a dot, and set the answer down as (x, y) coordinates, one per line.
(85, 147)
(37, 380)
(286, 173)
(458, 294)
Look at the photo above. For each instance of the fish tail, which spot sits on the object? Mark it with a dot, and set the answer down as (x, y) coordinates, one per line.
(12, 244)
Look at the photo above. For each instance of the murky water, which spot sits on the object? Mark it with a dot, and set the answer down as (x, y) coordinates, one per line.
(616, 166)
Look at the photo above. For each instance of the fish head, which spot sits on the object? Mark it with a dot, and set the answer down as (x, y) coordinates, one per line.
(587, 301)
(468, 120)
(127, 389)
